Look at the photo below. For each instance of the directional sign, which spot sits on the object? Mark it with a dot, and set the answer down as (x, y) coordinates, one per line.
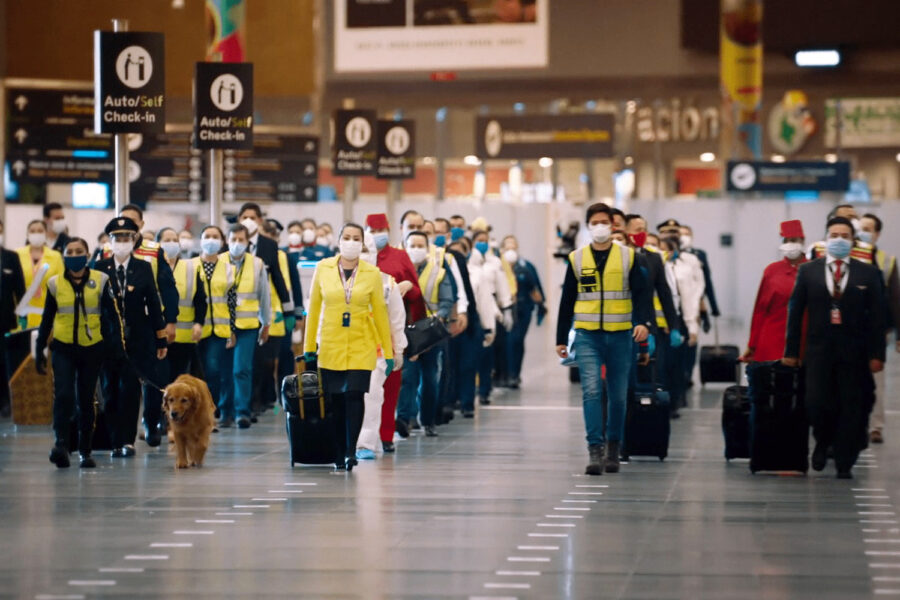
(223, 105)
(355, 144)
(396, 149)
(557, 136)
(129, 82)
(757, 176)
(60, 170)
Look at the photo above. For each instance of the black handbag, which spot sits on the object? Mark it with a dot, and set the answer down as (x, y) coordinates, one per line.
(425, 334)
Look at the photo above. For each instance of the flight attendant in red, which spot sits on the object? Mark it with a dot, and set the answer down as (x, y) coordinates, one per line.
(767, 330)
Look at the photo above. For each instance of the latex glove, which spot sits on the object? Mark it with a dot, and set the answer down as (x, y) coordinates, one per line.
(651, 346)
(40, 362)
(390, 366)
(488, 339)
(398, 360)
(508, 319)
(309, 357)
(290, 322)
(541, 314)
(675, 338)
(23, 322)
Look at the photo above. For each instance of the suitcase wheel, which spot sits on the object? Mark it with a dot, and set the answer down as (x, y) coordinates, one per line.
(662, 458)
(292, 464)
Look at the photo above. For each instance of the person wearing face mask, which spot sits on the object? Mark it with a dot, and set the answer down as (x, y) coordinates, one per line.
(144, 328)
(81, 314)
(213, 271)
(870, 233)
(12, 290)
(186, 244)
(39, 263)
(325, 237)
(606, 297)
(266, 249)
(861, 250)
(182, 356)
(395, 263)
(348, 321)
(529, 294)
(842, 301)
(55, 220)
(370, 434)
(421, 372)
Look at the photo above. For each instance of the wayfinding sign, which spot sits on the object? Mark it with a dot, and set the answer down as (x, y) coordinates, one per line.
(396, 149)
(557, 136)
(223, 106)
(759, 176)
(129, 82)
(355, 144)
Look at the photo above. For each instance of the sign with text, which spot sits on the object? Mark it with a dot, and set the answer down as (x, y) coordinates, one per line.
(865, 122)
(396, 149)
(129, 82)
(223, 106)
(820, 176)
(355, 144)
(556, 136)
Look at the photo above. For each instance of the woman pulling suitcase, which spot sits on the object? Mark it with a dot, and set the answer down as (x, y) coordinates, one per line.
(344, 292)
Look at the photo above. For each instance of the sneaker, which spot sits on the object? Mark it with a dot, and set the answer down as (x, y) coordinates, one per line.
(388, 447)
(365, 454)
(402, 428)
(596, 460)
(225, 423)
(59, 456)
(128, 451)
(484, 400)
(243, 423)
(430, 431)
(468, 414)
(87, 462)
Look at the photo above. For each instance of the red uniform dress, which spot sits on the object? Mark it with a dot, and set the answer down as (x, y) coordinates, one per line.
(767, 330)
(396, 263)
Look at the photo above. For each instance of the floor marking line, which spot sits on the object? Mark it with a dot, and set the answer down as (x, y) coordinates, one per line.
(569, 508)
(508, 586)
(586, 493)
(888, 521)
(172, 545)
(121, 569)
(592, 485)
(872, 497)
(519, 573)
(556, 524)
(581, 501)
(881, 541)
(77, 582)
(268, 499)
(251, 506)
(874, 504)
(867, 489)
(146, 557)
(233, 514)
(537, 547)
(886, 578)
(563, 516)
(884, 565)
(59, 597)
(492, 597)
(548, 535)
(293, 483)
(285, 492)
(528, 558)
(213, 520)
(888, 513)
(883, 592)
(193, 532)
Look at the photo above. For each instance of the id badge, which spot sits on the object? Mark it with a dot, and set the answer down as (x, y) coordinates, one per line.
(835, 315)
(346, 319)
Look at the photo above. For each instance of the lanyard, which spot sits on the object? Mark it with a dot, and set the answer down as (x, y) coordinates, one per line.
(348, 284)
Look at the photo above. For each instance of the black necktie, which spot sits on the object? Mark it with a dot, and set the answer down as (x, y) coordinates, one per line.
(120, 273)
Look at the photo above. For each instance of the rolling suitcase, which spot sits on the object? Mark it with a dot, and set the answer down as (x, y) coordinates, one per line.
(647, 424)
(780, 432)
(718, 362)
(736, 422)
(308, 420)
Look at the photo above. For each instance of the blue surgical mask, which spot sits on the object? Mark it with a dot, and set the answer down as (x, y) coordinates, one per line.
(210, 246)
(481, 247)
(864, 236)
(440, 240)
(838, 247)
(237, 249)
(381, 240)
(456, 233)
(75, 263)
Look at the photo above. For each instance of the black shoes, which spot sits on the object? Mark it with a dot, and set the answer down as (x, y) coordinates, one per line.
(414, 424)
(402, 428)
(468, 414)
(596, 461)
(845, 474)
(225, 423)
(612, 457)
(515, 383)
(152, 436)
(59, 456)
(819, 457)
(446, 414)
(87, 462)
(484, 400)
(243, 423)
(388, 447)
(430, 431)
(350, 463)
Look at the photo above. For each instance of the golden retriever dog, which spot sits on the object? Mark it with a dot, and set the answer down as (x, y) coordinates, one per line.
(189, 407)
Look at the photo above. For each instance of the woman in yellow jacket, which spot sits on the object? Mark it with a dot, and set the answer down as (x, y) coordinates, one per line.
(33, 257)
(344, 292)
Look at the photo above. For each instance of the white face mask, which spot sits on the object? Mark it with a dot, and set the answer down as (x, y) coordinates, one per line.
(600, 232)
(122, 250)
(511, 256)
(322, 241)
(251, 225)
(58, 226)
(417, 255)
(186, 244)
(170, 248)
(309, 236)
(350, 249)
(791, 250)
(686, 241)
(294, 239)
(37, 239)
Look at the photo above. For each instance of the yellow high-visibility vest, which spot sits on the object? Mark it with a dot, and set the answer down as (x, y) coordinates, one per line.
(54, 261)
(247, 311)
(88, 322)
(657, 305)
(510, 277)
(603, 301)
(886, 264)
(185, 273)
(217, 316)
(430, 281)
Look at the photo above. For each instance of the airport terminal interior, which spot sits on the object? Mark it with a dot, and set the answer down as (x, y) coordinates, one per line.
(714, 416)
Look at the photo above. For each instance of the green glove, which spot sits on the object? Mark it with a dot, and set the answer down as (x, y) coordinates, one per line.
(290, 322)
(309, 356)
(390, 366)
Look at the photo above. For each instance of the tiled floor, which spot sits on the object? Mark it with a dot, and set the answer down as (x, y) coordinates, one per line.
(488, 509)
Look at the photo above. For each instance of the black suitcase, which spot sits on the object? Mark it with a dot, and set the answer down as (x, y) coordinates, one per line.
(647, 424)
(308, 420)
(717, 363)
(780, 431)
(100, 440)
(736, 421)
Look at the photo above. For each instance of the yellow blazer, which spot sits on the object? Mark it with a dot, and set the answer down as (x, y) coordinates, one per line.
(52, 258)
(354, 347)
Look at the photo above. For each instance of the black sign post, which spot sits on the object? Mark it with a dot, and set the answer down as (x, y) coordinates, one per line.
(555, 136)
(223, 106)
(396, 149)
(758, 176)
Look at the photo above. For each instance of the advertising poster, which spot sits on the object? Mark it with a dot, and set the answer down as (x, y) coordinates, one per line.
(429, 35)
(865, 122)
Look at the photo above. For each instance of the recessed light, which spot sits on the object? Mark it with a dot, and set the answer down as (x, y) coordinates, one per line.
(707, 157)
(817, 58)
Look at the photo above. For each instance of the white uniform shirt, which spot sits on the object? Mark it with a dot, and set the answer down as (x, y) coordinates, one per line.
(685, 278)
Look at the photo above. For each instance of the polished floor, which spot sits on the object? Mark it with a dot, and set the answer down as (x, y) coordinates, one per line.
(493, 508)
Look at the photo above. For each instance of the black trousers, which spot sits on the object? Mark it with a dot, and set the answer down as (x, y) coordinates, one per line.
(285, 360)
(183, 359)
(156, 371)
(348, 409)
(122, 400)
(837, 402)
(4, 373)
(75, 372)
(264, 358)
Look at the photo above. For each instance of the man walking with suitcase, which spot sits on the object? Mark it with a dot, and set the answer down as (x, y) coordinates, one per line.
(844, 301)
(607, 298)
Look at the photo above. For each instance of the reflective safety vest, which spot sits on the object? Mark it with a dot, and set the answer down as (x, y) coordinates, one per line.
(224, 277)
(657, 305)
(89, 321)
(860, 251)
(603, 301)
(217, 316)
(511, 278)
(277, 328)
(886, 264)
(54, 262)
(430, 281)
(185, 273)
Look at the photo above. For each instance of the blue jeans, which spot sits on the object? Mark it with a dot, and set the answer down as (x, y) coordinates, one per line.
(218, 378)
(485, 368)
(593, 349)
(242, 361)
(515, 341)
(419, 376)
(465, 350)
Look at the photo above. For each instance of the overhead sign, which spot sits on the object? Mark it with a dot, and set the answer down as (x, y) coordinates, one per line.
(355, 144)
(396, 149)
(751, 176)
(556, 136)
(865, 122)
(223, 106)
(129, 82)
